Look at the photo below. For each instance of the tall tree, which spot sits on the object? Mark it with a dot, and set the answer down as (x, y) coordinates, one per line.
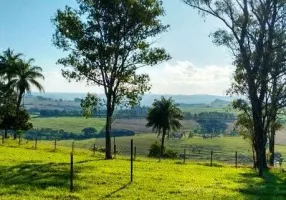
(8, 64)
(26, 75)
(107, 41)
(251, 31)
(164, 115)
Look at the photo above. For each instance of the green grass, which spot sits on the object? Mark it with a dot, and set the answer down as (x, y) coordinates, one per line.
(69, 124)
(43, 174)
(224, 148)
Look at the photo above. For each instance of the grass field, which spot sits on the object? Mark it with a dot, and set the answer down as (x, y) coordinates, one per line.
(69, 124)
(197, 149)
(42, 174)
(76, 124)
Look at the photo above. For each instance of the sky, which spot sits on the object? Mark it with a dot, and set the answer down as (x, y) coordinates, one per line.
(197, 65)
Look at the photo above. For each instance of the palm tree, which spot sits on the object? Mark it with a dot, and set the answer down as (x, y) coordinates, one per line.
(25, 76)
(164, 115)
(8, 64)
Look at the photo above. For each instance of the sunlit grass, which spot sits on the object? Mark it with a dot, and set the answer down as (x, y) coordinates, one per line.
(68, 124)
(26, 173)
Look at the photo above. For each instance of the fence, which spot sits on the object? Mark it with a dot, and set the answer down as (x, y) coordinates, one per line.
(188, 154)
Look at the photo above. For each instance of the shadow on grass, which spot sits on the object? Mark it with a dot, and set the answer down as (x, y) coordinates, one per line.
(272, 186)
(118, 190)
(29, 175)
(209, 165)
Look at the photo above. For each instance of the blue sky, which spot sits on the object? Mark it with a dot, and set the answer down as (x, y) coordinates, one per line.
(197, 65)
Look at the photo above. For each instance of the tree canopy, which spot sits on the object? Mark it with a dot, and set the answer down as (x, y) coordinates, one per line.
(107, 41)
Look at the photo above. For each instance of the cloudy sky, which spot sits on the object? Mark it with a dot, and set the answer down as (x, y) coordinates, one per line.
(197, 65)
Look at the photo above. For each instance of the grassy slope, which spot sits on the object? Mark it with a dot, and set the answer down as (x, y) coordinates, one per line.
(224, 148)
(69, 124)
(42, 174)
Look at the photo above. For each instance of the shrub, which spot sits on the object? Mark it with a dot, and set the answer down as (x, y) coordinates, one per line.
(191, 134)
(155, 150)
(170, 154)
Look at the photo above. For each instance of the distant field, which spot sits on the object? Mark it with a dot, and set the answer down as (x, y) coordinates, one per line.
(69, 124)
(44, 174)
(76, 124)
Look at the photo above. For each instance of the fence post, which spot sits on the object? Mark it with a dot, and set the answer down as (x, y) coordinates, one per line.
(71, 173)
(72, 147)
(131, 162)
(36, 142)
(114, 147)
(211, 157)
(236, 159)
(135, 153)
(184, 156)
(55, 145)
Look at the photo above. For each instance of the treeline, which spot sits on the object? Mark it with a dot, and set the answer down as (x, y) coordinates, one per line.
(133, 113)
(86, 133)
(225, 116)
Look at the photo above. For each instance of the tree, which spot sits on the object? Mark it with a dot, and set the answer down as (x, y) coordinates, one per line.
(252, 29)
(24, 76)
(8, 64)
(107, 41)
(164, 115)
(89, 131)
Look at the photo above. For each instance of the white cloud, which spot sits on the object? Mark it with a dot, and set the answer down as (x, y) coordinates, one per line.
(185, 78)
(178, 78)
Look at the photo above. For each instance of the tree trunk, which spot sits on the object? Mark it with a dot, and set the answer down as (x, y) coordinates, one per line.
(272, 144)
(108, 154)
(259, 136)
(162, 143)
(6, 133)
(18, 109)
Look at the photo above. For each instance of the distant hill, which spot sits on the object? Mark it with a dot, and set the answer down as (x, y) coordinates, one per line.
(149, 98)
(219, 103)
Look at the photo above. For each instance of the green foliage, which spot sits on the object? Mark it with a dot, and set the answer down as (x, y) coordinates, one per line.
(169, 153)
(89, 104)
(107, 41)
(212, 126)
(155, 150)
(191, 134)
(164, 115)
(19, 74)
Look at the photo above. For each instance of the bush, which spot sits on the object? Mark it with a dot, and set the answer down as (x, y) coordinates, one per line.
(191, 134)
(155, 150)
(170, 154)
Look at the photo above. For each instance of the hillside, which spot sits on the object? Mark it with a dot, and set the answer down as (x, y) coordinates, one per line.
(41, 174)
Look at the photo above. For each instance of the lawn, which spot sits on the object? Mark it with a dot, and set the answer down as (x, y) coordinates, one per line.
(69, 124)
(43, 174)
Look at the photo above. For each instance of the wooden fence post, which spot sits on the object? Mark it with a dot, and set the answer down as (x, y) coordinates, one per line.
(72, 147)
(55, 148)
(211, 157)
(71, 173)
(184, 156)
(236, 159)
(131, 161)
(36, 143)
